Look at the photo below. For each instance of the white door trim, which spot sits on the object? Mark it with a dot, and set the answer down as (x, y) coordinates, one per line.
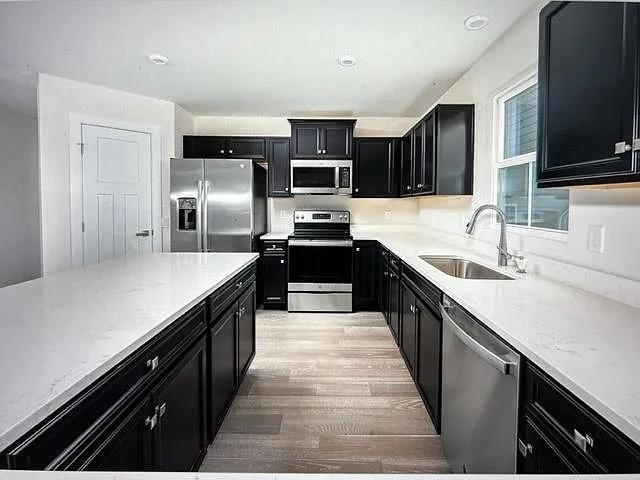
(76, 121)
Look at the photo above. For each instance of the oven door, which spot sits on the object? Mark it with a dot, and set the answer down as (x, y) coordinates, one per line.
(328, 177)
(320, 265)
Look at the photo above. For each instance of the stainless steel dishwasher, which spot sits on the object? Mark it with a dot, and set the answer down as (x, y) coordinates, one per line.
(479, 395)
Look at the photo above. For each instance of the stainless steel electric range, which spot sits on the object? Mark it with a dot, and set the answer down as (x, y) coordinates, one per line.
(320, 262)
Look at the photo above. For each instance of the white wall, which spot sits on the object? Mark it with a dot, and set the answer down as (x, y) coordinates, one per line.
(19, 217)
(58, 98)
(508, 60)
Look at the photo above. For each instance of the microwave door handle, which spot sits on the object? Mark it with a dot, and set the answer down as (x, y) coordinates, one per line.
(199, 215)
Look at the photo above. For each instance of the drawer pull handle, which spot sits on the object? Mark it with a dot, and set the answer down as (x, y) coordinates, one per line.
(151, 421)
(582, 441)
(153, 363)
(162, 409)
(525, 448)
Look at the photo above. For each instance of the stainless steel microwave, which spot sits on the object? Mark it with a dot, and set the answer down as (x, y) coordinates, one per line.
(321, 177)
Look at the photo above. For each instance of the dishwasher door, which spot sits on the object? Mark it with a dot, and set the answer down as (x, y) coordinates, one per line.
(479, 396)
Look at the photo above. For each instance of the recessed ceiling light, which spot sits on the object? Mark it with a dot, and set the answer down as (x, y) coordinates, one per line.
(347, 61)
(476, 22)
(157, 59)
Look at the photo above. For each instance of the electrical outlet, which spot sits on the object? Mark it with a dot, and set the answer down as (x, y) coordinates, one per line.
(284, 213)
(595, 242)
(387, 215)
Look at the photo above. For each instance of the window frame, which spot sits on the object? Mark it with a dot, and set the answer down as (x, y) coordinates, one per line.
(499, 161)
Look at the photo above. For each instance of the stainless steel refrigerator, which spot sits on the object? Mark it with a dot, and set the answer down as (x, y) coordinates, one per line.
(217, 205)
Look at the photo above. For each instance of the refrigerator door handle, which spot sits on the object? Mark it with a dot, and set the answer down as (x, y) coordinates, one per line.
(205, 216)
(199, 215)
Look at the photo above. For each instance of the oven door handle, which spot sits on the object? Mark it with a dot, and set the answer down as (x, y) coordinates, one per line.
(320, 243)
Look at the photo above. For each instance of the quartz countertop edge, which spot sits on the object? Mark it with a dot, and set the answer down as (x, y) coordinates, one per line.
(180, 282)
(587, 343)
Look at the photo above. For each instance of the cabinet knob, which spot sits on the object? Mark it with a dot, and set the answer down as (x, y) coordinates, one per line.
(324, 152)
(420, 185)
(230, 151)
(222, 151)
(282, 261)
(357, 190)
(319, 152)
(286, 189)
(357, 249)
(525, 448)
(408, 187)
(622, 147)
(153, 363)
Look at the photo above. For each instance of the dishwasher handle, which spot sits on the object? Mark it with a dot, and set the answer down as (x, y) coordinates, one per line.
(493, 359)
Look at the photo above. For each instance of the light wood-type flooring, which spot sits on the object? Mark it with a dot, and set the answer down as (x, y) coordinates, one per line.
(326, 393)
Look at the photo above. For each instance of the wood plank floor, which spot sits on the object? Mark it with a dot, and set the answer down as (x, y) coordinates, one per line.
(326, 393)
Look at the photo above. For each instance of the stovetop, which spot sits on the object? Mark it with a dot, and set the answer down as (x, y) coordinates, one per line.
(321, 224)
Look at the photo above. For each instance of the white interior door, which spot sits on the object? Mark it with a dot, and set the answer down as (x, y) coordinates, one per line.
(116, 193)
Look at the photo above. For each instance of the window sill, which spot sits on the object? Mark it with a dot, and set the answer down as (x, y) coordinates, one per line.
(555, 235)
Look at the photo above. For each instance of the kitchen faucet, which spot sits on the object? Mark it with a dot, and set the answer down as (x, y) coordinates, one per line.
(503, 254)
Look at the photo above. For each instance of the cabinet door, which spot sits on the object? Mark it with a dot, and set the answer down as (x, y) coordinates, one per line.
(336, 141)
(246, 147)
(274, 277)
(199, 146)
(429, 358)
(278, 162)
(128, 447)
(418, 158)
(246, 331)
(305, 141)
(394, 304)
(180, 401)
(223, 367)
(408, 327)
(538, 455)
(384, 294)
(406, 166)
(364, 262)
(375, 168)
(587, 105)
(428, 169)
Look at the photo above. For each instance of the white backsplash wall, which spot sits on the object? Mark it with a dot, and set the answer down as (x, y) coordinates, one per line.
(364, 211)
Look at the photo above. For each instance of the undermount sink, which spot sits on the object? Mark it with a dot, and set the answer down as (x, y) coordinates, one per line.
(463, 268)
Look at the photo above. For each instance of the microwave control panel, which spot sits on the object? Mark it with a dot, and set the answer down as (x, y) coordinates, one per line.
(344, 177)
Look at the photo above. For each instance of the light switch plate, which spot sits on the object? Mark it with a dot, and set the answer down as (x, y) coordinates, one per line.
(595, 242)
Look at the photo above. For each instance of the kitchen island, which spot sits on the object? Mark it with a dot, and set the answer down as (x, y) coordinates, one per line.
(75, 344)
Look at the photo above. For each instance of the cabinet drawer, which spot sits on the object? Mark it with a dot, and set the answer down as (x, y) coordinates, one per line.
(590, 436)
(274, 246)
(220, 300)
(429, 292)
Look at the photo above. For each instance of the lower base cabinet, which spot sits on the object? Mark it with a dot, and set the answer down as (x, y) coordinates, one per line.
(158, 409)
(429, 358)
(539, 455)
(408, 326)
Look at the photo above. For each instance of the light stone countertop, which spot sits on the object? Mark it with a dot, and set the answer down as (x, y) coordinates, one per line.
(58, 334)
(588, 343)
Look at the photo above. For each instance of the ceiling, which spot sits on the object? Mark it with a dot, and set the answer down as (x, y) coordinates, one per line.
(252, 57)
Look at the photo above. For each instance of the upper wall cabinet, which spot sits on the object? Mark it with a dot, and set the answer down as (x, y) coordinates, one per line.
(278, 163)
(375, 167)
(588, 100)
(437, 154)
(202, 146)
(319, 139)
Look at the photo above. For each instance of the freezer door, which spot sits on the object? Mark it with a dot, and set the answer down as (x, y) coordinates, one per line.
(228, 188)
(186, 205)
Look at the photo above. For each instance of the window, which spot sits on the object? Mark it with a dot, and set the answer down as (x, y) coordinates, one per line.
(523, 202)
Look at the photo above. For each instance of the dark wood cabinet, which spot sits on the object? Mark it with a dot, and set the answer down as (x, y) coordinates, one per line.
(383, 292)
(223, 367)
(246, 330)
(274, 274)
(128, 448)
(406, 165)
(365, 292)
(375, 168)
(278, 167)
(394, 298)
(408, 328)
(556, 423)
(204, 146)
(317, 139)
(429, 357)
(181, 414)
(437, 154)
(418, 158)
(588, 102)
